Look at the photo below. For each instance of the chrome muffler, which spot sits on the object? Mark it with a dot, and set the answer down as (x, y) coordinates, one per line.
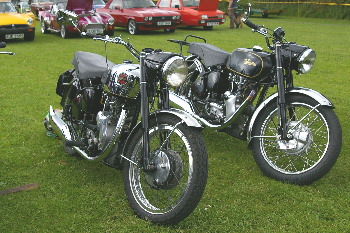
(54, 123)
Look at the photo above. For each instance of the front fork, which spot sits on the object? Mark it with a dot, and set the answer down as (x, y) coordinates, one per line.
(144, 115)
(281, 99)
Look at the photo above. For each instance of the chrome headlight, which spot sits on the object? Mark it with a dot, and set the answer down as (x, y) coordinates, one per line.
(306, 60)
(30, 21)
(148, 18)
(175, 17)
(110, 21)
(174, 71)
(220, 16)
(204, 17)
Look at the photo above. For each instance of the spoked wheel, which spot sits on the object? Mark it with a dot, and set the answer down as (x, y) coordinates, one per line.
(64, 32)
(43, 27)
(313, 146)
(171, 191)
(132, 28)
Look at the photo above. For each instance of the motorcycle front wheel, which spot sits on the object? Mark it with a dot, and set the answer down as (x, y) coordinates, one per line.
(170, 192)
(314, 143)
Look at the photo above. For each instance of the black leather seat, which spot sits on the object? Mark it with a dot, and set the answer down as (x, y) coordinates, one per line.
(210, 54)
(89, 65)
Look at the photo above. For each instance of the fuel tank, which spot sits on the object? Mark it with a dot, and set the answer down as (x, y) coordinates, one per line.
(123, 80)
(250, 63)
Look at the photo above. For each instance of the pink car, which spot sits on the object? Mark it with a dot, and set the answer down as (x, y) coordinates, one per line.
(137, 15)
(39, 5)
(203, 13)
(70, 17)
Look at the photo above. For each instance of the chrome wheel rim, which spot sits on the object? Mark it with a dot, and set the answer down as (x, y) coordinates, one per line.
(306, 149)
(132, 27)
(63, 31)
(157, 198)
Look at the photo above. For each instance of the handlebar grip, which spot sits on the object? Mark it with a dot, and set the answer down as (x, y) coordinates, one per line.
(2, 45)
(252, 25)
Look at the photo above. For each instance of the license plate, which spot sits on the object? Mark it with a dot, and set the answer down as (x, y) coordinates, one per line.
(164, 23)
(94, 31)
(212, 23)
(14, 36)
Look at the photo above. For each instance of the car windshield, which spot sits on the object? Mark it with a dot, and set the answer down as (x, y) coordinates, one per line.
(99, 2)
(189, 3)
(138, 4)
(7, 7)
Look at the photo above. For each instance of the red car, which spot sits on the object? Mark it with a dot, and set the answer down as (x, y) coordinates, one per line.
(39, 5)
(137, 15)
(70, 17)
(195, 12)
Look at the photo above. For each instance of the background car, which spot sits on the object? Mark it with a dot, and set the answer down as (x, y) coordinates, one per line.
(39, 5)
(203, 13)
(70, 17)
(137, 15)
(14, 25)
(98, 4)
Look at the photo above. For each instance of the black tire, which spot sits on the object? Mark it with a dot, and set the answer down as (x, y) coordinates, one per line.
(64, 32)
(169, 30)
(110, 33)
(208, 28)
(132, 27)
(43, 27)
(171, 192)
(317, 141)
(29, 36)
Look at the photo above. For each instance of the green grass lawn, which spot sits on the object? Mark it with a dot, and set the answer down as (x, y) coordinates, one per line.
(82, 196)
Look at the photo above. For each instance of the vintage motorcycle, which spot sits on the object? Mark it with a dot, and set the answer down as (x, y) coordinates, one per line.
(294, 134)
(163, 156)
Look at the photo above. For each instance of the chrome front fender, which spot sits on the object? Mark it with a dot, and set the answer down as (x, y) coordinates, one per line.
(186, 117)
(321, 99)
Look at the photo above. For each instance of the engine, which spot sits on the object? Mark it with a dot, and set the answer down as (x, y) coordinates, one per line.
(217, 95)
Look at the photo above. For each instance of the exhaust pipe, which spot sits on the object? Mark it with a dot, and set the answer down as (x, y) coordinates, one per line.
(53, 122)
(57, 125)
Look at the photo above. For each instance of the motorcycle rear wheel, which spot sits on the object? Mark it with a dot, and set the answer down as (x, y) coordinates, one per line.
(313, 149)
(171, 192)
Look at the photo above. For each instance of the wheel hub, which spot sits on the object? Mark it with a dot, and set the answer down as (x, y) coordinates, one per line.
(301, 139)
(168, 170)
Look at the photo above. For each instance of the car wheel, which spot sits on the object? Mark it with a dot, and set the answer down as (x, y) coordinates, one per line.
(64, 32)
(169, 30)
(132, 28)
(110, 33)
(29, 36)
(43, 27)
(208, 28)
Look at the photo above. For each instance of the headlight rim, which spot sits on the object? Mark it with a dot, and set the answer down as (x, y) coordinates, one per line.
(167, 74)
(306, 61)
(30, 21)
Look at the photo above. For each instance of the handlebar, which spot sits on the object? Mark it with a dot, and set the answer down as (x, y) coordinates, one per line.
(251, 24)
(115, 40)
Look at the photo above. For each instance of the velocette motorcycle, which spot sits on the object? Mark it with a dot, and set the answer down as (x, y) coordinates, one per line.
(294, 134)
(163, 156)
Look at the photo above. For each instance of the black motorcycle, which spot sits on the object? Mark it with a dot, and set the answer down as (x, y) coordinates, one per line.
(294, 134)
(162, 154)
